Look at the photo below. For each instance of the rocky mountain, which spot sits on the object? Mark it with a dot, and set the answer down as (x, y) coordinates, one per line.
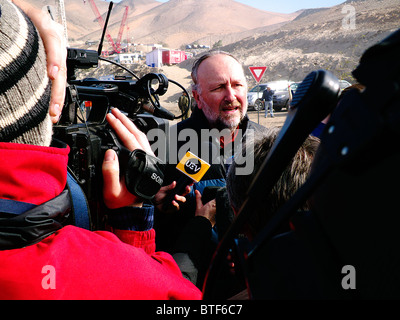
(174, 23)
(331, 38)
(178, 22)
(290, 46)
(82, 22)
(79, 15)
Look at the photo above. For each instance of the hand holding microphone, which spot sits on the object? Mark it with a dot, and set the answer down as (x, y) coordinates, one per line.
(175, 203)
(192, 169)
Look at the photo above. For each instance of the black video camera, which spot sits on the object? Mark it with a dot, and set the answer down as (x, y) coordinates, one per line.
(83, 127)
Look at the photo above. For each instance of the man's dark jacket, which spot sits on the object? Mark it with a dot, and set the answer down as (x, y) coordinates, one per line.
(169, 226)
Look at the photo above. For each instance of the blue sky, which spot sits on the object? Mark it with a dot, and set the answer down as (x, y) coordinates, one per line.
(287, 6)
(284, 6)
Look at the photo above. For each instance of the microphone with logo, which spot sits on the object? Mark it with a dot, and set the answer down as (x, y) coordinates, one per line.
(193, 169)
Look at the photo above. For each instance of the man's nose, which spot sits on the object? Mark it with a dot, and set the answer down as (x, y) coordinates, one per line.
(230, 94)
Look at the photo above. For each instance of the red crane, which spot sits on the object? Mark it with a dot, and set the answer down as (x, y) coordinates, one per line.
(121, 29)
(116, 47)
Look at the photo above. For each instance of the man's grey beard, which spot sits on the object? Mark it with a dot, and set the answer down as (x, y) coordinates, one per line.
(220, 123)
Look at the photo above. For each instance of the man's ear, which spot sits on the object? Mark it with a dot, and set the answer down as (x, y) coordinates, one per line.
(196, 96)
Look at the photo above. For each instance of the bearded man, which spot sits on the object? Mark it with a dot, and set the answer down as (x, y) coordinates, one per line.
(216, 128)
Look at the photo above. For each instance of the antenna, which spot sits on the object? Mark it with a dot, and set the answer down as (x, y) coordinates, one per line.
(105, 28)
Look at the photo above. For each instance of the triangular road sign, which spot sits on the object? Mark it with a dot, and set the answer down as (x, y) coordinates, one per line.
(257, 72)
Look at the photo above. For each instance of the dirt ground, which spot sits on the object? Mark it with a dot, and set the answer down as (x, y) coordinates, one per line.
(277, 121)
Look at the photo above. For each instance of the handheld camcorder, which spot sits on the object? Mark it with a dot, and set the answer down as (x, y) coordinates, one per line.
(83, 127)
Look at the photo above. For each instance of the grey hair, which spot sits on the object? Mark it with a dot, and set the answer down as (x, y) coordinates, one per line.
(198, 61)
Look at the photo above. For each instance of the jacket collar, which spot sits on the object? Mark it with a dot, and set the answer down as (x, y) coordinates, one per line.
(33, 202)
(32, 226)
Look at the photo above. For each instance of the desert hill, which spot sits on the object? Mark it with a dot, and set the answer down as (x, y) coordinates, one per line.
(81, 20)
(174, 23)
(79, 15)
(178, 22)
(318, 39)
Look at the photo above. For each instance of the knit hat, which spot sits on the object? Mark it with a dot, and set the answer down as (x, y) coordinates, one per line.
(24, 84)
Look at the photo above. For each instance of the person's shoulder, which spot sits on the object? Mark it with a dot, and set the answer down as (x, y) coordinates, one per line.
(196, 121)
(187, 123)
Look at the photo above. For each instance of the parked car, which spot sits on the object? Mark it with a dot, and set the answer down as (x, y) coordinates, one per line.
(281, 96)
(342, 83)
(254, 96)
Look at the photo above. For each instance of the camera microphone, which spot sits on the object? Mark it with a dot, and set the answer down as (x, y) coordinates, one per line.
(315, 99)
(192, 169)
(159, 112)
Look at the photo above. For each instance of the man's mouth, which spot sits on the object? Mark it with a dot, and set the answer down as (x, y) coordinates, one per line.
(230, 109)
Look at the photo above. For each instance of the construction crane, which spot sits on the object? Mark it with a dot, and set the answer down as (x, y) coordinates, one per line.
(116, 46)
(121, 29)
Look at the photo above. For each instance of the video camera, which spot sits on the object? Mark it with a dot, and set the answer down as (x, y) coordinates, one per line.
(83, 127)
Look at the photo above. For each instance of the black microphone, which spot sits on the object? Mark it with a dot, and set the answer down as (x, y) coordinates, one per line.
(159, 112)
(315, 98)
(192, 169)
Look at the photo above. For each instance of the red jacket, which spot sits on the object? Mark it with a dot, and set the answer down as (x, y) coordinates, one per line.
(74, 263)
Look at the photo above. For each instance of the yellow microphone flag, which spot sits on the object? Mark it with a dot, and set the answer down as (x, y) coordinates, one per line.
(192, 166)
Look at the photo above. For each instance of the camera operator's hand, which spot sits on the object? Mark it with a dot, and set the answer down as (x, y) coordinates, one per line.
(52, 35)
(115, 193)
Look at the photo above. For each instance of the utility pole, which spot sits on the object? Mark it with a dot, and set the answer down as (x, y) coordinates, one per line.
(60, 9)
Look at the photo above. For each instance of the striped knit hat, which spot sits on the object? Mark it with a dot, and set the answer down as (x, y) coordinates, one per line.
(24, 85)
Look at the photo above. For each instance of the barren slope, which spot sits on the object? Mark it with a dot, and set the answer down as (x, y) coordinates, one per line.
(320, 40)
(175, 23)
